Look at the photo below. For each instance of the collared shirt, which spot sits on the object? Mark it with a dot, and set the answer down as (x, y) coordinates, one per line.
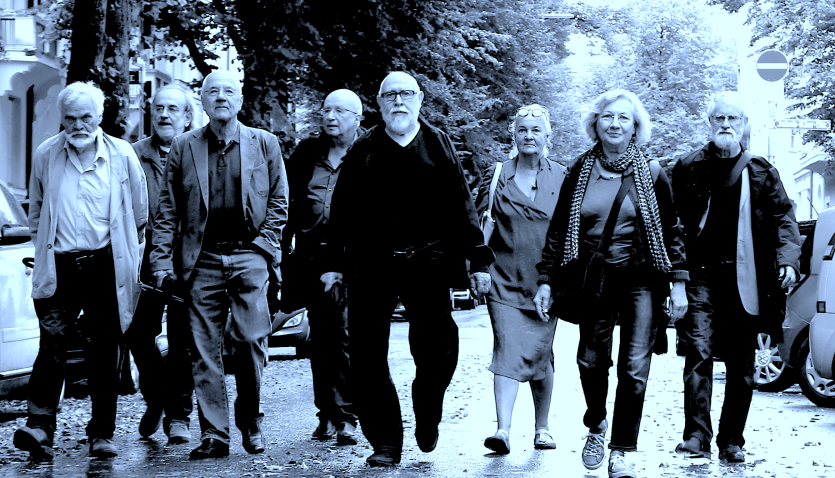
(225, 222)
(314, 212)
(83, 205)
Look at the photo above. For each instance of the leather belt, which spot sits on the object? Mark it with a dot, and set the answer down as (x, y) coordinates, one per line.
(82, 258)
(226, 246)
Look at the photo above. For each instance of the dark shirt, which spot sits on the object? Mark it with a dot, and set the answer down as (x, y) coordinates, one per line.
(717, 242)
(594, 212)
(225, 222)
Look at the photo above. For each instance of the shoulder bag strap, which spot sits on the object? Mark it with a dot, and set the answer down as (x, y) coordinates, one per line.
(736, 172)
(609, 229)
(492, 194)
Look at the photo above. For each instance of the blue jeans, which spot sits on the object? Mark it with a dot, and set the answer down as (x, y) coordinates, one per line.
(716, 321)
(630, 300)
(220, 282)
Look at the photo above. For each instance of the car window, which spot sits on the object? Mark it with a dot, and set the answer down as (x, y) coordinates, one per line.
(13, 221)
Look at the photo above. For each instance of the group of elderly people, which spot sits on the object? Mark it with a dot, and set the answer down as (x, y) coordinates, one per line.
(728, 287)
(379, 235)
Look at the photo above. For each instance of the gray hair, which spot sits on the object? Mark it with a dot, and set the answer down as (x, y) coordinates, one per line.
(189, 108)
(643, 127)
(222, 73)
(547, 117)
(79, 89)
(731, 98)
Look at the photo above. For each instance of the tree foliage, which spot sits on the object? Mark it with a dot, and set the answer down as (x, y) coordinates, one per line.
(666, 53)
(804, 30)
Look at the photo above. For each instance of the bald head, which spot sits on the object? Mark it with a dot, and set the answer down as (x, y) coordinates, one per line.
(221, 97)
(220, 75)
(341, 115)
(347, 98)
(400, 100)
(400, 78)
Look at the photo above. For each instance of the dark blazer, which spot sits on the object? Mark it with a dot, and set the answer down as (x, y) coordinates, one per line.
(148, 153)
(184, 199)
(774, 228)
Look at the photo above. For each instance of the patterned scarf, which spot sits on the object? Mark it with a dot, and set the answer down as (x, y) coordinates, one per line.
(647, 203)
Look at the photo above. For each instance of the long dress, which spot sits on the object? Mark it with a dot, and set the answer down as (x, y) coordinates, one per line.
(522, 343)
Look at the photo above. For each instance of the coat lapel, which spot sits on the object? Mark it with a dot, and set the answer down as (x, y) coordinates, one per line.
(200, 155)
(57, 163)
(248, 148)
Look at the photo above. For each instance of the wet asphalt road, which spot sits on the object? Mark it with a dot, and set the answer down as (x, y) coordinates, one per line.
(787, 435)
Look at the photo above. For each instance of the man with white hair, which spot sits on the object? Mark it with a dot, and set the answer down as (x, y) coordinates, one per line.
(743, 252)
(222, 209)
(403, 224)
(313, 171)
(88, 206)
(166, 384)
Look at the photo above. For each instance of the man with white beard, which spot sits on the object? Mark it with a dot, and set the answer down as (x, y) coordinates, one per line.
(743, 252)
(88, 206)
(403, 225)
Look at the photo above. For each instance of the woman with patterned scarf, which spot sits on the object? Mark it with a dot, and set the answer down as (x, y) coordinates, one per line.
(645, 256)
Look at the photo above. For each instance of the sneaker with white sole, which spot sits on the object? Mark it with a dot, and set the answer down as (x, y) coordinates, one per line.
(593, 452)
(619, 467)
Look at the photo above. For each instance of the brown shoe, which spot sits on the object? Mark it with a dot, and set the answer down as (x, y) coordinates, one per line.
(253, 440)
(34, 440)
(177, 432)
(102, 448)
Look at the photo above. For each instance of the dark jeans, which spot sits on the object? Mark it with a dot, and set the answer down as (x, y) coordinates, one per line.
(237, 280)
(433, 342)
(330, 361)
(91, 287)
(716, 321)
(163, 382)
(628, 300)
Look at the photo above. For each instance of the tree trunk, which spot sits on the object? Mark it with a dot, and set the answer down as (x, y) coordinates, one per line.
(117, 69)
(89, 41)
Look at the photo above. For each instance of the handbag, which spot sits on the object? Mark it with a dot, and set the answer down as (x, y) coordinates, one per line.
(578, 285)
(487, 223)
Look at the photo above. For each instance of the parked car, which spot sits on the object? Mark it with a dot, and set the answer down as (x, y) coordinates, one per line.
(780, 366)
(820, 368)
(463, 299)
(291, 330)
(19, 332)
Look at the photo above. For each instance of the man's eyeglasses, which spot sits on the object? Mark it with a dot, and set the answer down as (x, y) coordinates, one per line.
(405, 95)
(534, 112)
(339, 111)
(734, 120)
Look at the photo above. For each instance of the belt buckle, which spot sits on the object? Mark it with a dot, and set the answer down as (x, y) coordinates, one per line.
(82, 259)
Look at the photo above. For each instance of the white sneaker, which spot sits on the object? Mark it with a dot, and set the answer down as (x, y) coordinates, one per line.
(618, 466)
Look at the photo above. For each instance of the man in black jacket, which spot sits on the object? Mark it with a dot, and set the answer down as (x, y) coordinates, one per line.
(166, 385)
(403, 224)
(743, 251)
(312, 172)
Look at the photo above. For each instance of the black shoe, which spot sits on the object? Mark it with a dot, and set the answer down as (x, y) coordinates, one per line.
(427, 438)
(325, 430)
(34, 440)
(692, 448)
(151, 420)
(254, 440)
(102, 448)
(731, 454)
(384, 456)
(345, 434)
(210, 448)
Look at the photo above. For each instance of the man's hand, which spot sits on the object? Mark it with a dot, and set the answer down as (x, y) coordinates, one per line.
(161, 275)
(542, 301)
(480, 283)
(330, 278)
(786, 276)
(678, 302)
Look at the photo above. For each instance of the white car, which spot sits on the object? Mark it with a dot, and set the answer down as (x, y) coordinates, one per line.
(822, 329)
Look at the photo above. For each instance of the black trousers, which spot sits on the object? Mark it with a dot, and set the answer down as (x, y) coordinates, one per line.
(88, 284)
(717, 322)
(330, 360)
(163, 382)
(433, 342)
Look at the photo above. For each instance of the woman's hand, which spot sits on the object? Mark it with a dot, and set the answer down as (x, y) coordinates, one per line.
(678, 302)
(542, 301)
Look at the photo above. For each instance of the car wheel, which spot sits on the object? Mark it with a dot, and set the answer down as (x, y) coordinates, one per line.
(129, 382)
(770, 372)
(819, 390)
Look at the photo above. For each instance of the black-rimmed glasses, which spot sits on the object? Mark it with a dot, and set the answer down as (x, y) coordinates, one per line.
(405, 95)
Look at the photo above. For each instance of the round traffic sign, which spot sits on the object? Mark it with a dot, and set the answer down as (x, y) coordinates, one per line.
(772, 65)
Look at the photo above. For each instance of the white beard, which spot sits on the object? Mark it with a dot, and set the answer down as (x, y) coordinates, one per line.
(401, 124)
(81, 143)
(725, 141)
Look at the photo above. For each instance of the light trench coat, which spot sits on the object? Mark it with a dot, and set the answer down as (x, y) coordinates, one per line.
(128, 216)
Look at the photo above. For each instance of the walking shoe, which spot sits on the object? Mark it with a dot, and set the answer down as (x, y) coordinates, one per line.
(499, 443)
(325, 430)
(692, 448)
(177, 432)
(34, 440)
(151, 420)
(543, 440)
(593, 452)
(253, 440)
(210, 448)
(102, 448)
(345, 434)
(618, 467)
(427, 438)
(384, 456)
(731, 454)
